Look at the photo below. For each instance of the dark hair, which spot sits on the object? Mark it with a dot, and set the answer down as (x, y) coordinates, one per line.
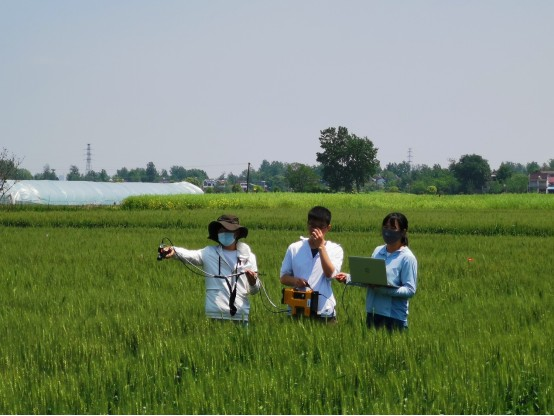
(395, 218)
(320, 213)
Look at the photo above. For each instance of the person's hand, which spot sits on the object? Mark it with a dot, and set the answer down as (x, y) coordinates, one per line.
(317, 238)
(251, 276)
(341, 277)
(301, 283)
(168, 252)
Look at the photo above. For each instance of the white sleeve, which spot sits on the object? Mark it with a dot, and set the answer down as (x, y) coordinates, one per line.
(192, 256)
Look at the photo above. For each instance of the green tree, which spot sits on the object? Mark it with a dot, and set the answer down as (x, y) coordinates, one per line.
(420, 187)
(268, 170)
(403, 169)
(533, 167)
(403, 176)
(236, 188)
(347, 160)
(390, 179)
(8, 170)
(122, 175)
(473, 172)
(47, 174)
(137, 175)
(74, 174)
(504, 172)
(518, 183)
(432, 190)
(424, 176)
(495, 187)
(194, 180)
(22, 174)
(92, 176)
(515, 167)
(549, 165)
(151, 173)
(197, 173)
(302, 178)
(233, 179)
(177, 173)
(103, 176)
(273, 174)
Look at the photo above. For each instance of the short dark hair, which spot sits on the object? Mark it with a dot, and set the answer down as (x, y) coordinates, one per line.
(320, 213)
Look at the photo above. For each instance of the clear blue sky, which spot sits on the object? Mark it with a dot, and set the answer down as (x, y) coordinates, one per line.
(217, 84)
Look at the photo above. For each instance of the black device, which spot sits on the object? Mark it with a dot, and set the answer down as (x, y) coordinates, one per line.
(161, 252)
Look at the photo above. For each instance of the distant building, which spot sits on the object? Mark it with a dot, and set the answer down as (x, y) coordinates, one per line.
(541, 182)
(218, 185)
(254, 186)
(209, 184)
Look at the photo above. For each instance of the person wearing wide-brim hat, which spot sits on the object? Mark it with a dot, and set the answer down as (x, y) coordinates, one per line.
(230, 223)
(229, 268)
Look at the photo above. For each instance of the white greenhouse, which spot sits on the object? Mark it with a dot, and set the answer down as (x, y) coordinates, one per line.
(88, 193)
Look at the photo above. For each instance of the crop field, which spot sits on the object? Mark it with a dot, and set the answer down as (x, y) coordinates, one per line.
(92, 323)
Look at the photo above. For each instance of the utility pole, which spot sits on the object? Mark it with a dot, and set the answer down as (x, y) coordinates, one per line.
(248, 178)
(409, 184)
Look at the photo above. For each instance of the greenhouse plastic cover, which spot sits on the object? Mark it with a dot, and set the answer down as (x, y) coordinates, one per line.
(88, 193)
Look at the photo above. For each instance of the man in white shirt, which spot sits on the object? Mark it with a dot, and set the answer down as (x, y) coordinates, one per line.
(313, 262)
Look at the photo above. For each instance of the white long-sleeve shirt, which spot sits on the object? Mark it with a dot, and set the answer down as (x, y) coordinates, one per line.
(215, 261)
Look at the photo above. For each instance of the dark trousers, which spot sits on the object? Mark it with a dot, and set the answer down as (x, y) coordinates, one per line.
(377, 321)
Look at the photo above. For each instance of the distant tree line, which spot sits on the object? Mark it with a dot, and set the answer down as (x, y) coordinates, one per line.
(347, 163)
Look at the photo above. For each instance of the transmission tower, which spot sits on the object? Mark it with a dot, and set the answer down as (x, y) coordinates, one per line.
(410, 156)
(89, 160)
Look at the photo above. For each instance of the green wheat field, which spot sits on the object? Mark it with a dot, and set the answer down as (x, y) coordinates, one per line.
(92, 323)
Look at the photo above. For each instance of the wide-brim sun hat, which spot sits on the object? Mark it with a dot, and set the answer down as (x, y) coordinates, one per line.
(230, 223)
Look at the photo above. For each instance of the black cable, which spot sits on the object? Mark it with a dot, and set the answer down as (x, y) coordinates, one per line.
(279, 310)
(191, 266)
(200, 272)
(342, 302)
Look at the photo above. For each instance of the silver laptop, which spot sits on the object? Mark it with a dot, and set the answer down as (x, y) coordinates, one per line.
(368, 271)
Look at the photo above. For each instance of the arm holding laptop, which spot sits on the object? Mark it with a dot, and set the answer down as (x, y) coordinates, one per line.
(387, 307)
(403, 269)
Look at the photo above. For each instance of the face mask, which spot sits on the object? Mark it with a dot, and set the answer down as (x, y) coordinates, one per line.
(226, 239)
(391, 236)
